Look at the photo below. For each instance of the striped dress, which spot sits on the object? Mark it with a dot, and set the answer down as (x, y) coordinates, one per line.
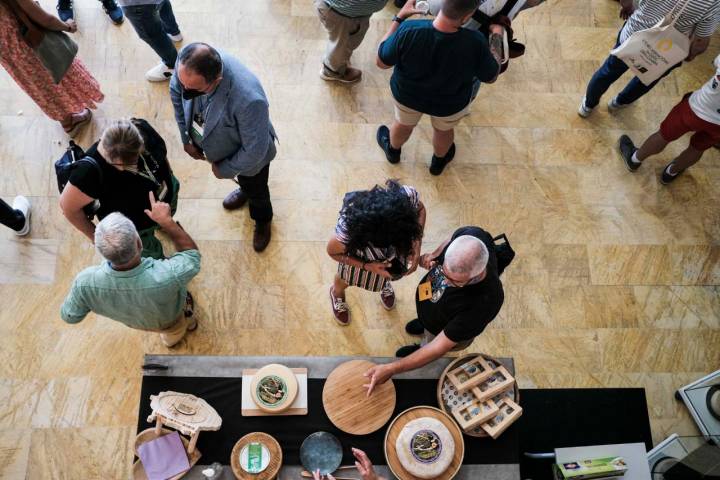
(700, 17)
(358, 277)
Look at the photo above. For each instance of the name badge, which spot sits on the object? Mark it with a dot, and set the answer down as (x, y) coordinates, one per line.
(425, 291)
(197, 129)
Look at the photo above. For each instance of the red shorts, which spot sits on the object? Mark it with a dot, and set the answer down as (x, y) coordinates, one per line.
(682, 120)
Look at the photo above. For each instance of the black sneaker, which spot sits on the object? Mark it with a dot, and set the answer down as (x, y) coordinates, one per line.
(65, 10)
(113, 11)
(414, 327)
(407, 350)
(666, 178)
(383, 139)
(627, 150)
(437, 165)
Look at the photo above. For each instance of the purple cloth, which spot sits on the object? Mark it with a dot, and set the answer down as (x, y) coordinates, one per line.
(164, 457)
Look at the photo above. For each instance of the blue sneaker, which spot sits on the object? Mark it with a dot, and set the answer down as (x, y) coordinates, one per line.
(65, 10)
(113, 11)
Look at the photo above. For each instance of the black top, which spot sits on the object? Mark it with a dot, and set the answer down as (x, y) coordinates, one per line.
(464, 312)
(123, 191)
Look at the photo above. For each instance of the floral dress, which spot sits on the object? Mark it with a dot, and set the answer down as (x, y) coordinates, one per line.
(75, 92)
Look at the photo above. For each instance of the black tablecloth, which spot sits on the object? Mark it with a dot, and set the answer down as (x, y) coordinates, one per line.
(224, 394)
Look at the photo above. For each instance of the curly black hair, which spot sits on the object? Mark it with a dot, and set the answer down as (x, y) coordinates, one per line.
(384, 216)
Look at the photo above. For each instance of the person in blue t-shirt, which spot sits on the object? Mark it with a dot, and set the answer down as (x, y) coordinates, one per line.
(438, 69)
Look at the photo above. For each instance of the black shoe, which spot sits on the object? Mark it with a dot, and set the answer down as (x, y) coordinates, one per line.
(437, 165)
(414, 327)
(383, 139)
(113, 11)
(627, 150)
(407, 350)
(666, 178)
(65, 10)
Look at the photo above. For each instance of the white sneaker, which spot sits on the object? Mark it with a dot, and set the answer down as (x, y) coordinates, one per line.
(584, 111)
(614, 105)
(23, 204)
(176, 38)
(159, 73)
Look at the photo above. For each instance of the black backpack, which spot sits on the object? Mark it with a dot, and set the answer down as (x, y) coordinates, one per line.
(503, 252)
(66, 164)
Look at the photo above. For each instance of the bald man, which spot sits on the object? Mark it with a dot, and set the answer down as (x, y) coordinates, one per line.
(458, 297)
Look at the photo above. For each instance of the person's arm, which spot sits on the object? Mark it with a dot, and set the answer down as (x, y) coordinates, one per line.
(387, 52)
(697, 47)
(73, 309)
(415, 260)
(254, 127)
(36, 13)
(160, 213)
(627, 7)
(427, 260)
(72, 201)
(177, 101)
(380, 374)
(338, 252)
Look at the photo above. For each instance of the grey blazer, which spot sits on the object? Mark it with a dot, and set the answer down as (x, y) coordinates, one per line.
(238, 136)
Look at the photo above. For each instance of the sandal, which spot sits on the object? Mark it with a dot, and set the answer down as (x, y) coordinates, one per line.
(75, 128)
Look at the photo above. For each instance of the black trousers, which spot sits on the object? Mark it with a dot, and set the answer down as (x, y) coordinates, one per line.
(256, 188)
(10, 217)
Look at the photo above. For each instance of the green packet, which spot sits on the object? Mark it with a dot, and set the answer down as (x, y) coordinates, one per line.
(254, 457)
(591, 468)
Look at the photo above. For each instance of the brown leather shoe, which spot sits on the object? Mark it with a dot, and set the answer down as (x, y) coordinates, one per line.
(261, 236)
(235, 199)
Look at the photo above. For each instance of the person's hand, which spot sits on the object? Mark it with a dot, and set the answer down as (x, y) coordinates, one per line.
(378, 375)
(194, 151)
(159, 211)
(408, 10)
(71, 25)
(364, 465)
(427, 261)
(379, 268)
(626, 9)
(316, 476)
(414, 261)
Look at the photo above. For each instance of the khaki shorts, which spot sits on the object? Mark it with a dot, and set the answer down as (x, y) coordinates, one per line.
(409, 117)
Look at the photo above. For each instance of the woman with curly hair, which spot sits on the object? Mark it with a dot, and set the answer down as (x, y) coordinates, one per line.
(377, 239)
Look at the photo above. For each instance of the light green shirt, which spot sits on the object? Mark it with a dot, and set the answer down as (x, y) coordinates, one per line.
(151, 296)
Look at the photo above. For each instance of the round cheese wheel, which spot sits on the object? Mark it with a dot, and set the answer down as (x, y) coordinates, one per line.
(425, 447)
(274, 388)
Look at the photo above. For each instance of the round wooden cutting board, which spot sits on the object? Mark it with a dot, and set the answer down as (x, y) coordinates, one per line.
(346, 402)
(399, 423)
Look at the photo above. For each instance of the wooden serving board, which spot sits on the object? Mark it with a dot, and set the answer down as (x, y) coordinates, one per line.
(250, 409)
(273, 467)
(399, 423)
(346, 402)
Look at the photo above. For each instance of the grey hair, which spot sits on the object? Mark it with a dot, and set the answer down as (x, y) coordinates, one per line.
(116, 239)
(467, 255)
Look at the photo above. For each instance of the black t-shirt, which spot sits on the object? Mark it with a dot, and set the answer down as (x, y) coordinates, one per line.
(123, 191)
(464, 312)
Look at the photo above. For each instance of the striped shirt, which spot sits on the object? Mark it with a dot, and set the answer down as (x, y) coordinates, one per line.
(700, 17)
(356, 8)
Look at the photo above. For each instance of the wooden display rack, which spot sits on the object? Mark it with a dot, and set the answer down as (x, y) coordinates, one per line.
(470, 374)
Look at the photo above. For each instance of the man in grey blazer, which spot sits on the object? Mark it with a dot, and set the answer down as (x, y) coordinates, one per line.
(223, 116)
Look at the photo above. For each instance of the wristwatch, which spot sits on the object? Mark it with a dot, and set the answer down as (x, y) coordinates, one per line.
(398, 19)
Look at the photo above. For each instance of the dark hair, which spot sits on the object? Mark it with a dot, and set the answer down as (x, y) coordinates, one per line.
(202, 59)
(459, 9)
(384, 216)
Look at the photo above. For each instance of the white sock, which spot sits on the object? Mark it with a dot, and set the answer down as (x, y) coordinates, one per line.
(634, 159)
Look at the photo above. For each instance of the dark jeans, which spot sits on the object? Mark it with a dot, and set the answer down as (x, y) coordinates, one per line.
(611, 70)
(153, 23)
(256, 188)
(10, 217)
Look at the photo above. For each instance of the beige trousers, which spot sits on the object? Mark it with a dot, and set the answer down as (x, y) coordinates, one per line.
(345, 35)
(171, 336)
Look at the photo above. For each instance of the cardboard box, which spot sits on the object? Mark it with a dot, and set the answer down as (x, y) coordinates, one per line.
(586, 469)
(475, 413)
(470, 374)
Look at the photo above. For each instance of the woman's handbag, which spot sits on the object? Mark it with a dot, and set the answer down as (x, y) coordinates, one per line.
(652, 52)
(55, 50)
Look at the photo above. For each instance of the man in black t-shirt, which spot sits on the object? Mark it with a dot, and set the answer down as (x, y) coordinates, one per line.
(458, 297)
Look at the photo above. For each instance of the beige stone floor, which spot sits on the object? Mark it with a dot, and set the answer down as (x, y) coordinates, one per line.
(615, 283)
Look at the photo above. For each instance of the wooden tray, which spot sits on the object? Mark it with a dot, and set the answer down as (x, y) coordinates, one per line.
(444, 383)
(299, 406)
(150, 434)
(346, 402)
(411, 414)
(273, 467)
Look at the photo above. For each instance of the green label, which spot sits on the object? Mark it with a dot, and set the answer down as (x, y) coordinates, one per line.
(254, 458)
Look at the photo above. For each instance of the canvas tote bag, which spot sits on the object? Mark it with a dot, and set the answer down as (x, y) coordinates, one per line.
(652, 52)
